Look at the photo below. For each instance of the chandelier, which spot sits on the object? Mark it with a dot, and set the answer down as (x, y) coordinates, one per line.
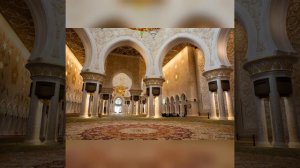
(119, 91)
(152, 31)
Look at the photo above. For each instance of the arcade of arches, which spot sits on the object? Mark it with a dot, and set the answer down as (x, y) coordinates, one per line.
(165, 73)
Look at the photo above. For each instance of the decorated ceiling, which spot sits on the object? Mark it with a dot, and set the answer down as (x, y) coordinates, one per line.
(126, 50)
(19, 17)
(174, 51)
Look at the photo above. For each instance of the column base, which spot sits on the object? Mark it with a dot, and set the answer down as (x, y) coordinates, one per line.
(192, 115)
(157, 117)
(230, 118)
(33, 142)
(214, 118)
(279, 145)
(85, 116)
(50, 142)
(263, 144)
(294, 144)
(222, 118)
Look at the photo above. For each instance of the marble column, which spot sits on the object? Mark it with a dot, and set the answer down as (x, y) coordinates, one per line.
(89, 104)
(213, 109)
(218, 75)
(132, 106)
(262, 131)
(54, 109)
(292, 124)
(150, 103)
(96, 98)
(44, 76)
(154, 83)
(85, 103)
(137, 108)
(270, 70)
(221, 104)
(160, 107)
(176, 108)
(229, 105)
(35, 118)
(276, 115)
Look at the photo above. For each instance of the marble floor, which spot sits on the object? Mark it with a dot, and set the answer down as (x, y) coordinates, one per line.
(140, 128)
(26, 156)
(249, 156)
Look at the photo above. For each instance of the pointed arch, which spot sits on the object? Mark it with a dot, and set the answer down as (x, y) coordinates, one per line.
(126, 41)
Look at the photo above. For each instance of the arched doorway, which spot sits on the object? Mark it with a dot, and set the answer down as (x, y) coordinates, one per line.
(118, 103)
(125, 69)
(182, 67)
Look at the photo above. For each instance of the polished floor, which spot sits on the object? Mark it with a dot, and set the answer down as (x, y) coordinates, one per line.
(22, 155)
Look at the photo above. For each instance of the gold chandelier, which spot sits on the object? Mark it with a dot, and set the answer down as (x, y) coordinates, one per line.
(119, 90)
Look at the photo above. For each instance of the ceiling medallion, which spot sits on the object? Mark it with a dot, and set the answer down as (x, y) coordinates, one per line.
(152, 31)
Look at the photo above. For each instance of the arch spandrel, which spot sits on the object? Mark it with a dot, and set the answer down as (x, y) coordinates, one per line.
(90, 47)
(211, 61)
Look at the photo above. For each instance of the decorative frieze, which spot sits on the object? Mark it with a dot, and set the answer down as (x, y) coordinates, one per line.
(218, 73)
(107, 90)
(135, 92)
(154, 81)
(92, 76)
(46, 70)
(268, 64)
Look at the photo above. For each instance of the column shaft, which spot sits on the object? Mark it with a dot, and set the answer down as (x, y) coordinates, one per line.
(213, 110)
(229, 105)
(34, 118)
(291, 122)
(221, 104)
(276, 116)
(262, 130)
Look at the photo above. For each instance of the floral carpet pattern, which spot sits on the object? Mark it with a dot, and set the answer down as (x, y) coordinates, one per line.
(141, 129)
(137, 132)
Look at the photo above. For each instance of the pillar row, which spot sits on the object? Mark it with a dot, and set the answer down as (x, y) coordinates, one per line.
(154, 96)
(92, 86)
(272, 82)
(219, 90)
(45, 120)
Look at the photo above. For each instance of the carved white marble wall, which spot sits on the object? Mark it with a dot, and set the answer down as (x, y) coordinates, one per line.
(15, 82)
(152, 46)
(74, 83)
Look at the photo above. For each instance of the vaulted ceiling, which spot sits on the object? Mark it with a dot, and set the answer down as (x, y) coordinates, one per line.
(174, 51)
(18, 15)
(126, 50)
